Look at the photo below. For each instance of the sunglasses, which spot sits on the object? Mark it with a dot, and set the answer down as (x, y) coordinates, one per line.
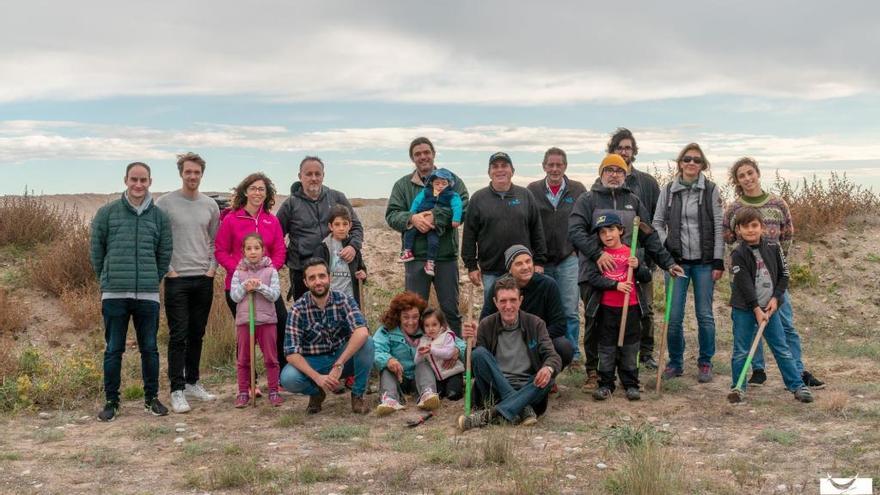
(695, 159)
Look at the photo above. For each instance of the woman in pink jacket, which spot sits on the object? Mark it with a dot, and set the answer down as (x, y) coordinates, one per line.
(252, 203)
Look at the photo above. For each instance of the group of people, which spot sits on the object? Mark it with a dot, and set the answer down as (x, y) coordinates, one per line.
(537, 252)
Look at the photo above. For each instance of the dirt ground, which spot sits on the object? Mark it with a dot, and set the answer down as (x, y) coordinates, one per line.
(769, 444)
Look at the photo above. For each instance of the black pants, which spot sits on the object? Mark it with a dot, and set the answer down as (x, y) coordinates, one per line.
(281, 314)
(565, 350)
(646, 346)
(187, 306)
(591, 343)
(297, 284)
(452, 388)
(624, 359)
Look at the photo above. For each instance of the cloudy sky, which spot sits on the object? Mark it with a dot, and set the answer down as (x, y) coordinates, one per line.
(86, 87)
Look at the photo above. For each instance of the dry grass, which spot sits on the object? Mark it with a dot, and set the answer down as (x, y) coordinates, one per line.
(218, 349)
(83, 306)
(28, 220)
(649, 469)
(64, 263)
(13, 314)
(835, 403)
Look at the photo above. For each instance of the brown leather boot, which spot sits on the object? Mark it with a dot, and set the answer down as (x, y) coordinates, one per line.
(315, 402)
(359, 404)
(592, 381)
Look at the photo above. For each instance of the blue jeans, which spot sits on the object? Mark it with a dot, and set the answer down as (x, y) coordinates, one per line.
(145, 316)
(491, 382)
(704, 286)
(791, 336)
(745, 326)
(488, 280)
(565, 274)
(297, 382)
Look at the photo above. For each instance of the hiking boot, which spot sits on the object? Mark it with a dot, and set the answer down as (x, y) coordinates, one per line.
(803, 394)
(811, 381)
(242, 400)
(388, 405)
(671, 372)
(478, 419)
(527, 416)
(758, 378)
(648, 362)
(704, 375)
(406, 256)
(632, 393)
(110, 411)
(154, 407)
(196, 390)
(592, 381)
(315, 402)
(359, 404)
(429, 268)
(602, 393)
(736, 396)
(275, 399)
(178, 402)
(429, 400)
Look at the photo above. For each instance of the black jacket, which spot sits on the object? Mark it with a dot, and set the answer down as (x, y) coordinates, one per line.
(353, 266)
(541, 350)
(541, 297)
(645, 186)
(554, 219)
(599, 283)
(743, 267)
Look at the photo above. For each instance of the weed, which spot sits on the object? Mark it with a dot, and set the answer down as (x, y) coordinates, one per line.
(343, 432)
(151, 432)
(628, 437)
(232, 450)
(744, 471)
(13, 314)
(498, 449)
(779, 436)
(648, 469)
(802, 275)
(308, 474)
(10, 456)
(290, 419)
(674, 385)
(244, 474)
(873, 258)
(46, 435)
(133, 392)
(99, 457)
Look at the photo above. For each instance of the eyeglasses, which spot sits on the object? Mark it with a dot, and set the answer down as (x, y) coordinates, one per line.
(695, 159)
(623, 148)
(256, 189)
(614, 171)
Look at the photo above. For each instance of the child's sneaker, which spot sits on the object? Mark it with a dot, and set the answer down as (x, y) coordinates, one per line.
(429, 400)
(736, 396)
(154, 407)
(803, 394)
(406, 256)
(388, 405)
(110, 411)
(242, 400)
(811, 381)
(704, 375)
(275, 399)
(632, 393)
(602, 393)
(758, 378)
(429, 268)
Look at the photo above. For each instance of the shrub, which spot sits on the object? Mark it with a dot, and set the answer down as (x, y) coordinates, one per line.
(648, 469)
(55, 380)
(13, 314)
(218, 349)
(64, 264)
(27, 221)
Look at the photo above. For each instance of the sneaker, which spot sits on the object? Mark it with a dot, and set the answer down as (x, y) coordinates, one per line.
(803, 394)
(704, 375)
(388, 405)
(429, 400)
(736, 396)
(154, 407)
(758, 378)
(178, 402)
(406, 256)
(275, 399)
(601, 393)
(592, 381)
(478, 419)
(429, 268)
(632, 393)
(242, 400)
(649, 363)
(315, 402)
(671, 372)
(528, 416)
(811, 381)
(197, 391)
(359, 404)
(110, 411)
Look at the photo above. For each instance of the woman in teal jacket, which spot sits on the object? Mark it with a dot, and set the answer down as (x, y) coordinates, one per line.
(395, 343)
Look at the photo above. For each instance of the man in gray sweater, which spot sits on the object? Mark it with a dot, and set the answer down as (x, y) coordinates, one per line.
(189, 284)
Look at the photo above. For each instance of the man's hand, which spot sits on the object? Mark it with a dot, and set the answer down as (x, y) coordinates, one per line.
(395, 367)
(475, 278)
(605, 262)
(423, 222)
(772, 306)
(539, 269)
(676, 271)
(347, 254)
(451, 362)
(360, 275)
(542, 379)
(624, 287)
(328, 382)
(455, 224)
(171, 274)
(716, 275)
(469, 330)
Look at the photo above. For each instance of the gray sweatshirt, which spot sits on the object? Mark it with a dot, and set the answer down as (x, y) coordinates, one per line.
(690, 228)
(194, 224)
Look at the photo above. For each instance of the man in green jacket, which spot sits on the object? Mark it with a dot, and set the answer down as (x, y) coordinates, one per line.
(130, 252)
(399, 218)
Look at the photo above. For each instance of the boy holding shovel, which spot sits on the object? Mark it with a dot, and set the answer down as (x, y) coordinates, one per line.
(760, 278)
(615, 294)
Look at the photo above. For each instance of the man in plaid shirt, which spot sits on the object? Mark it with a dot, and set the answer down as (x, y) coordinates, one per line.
(326, 341)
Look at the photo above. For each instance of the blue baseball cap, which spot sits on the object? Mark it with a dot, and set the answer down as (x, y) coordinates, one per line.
(607, 220)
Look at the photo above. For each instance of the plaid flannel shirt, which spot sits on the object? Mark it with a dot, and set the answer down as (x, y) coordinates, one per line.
(311, 330)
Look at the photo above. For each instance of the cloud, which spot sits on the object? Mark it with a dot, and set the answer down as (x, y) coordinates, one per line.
(492, 52)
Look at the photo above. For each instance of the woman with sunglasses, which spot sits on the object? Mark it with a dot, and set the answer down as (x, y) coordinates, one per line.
(688, 220)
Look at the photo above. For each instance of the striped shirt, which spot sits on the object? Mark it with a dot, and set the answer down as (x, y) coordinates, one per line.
(311, 330)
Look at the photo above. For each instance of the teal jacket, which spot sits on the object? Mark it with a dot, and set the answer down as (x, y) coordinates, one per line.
(392, 344)
(130, 251)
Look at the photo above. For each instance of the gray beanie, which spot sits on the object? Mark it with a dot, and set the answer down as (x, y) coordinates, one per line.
(512, 252)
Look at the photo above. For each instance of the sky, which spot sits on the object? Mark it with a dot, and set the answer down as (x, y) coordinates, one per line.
(87, 87)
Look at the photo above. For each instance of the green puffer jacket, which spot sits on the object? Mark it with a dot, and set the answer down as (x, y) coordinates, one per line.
(397, 216)
(392, 344)
(130, 252)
